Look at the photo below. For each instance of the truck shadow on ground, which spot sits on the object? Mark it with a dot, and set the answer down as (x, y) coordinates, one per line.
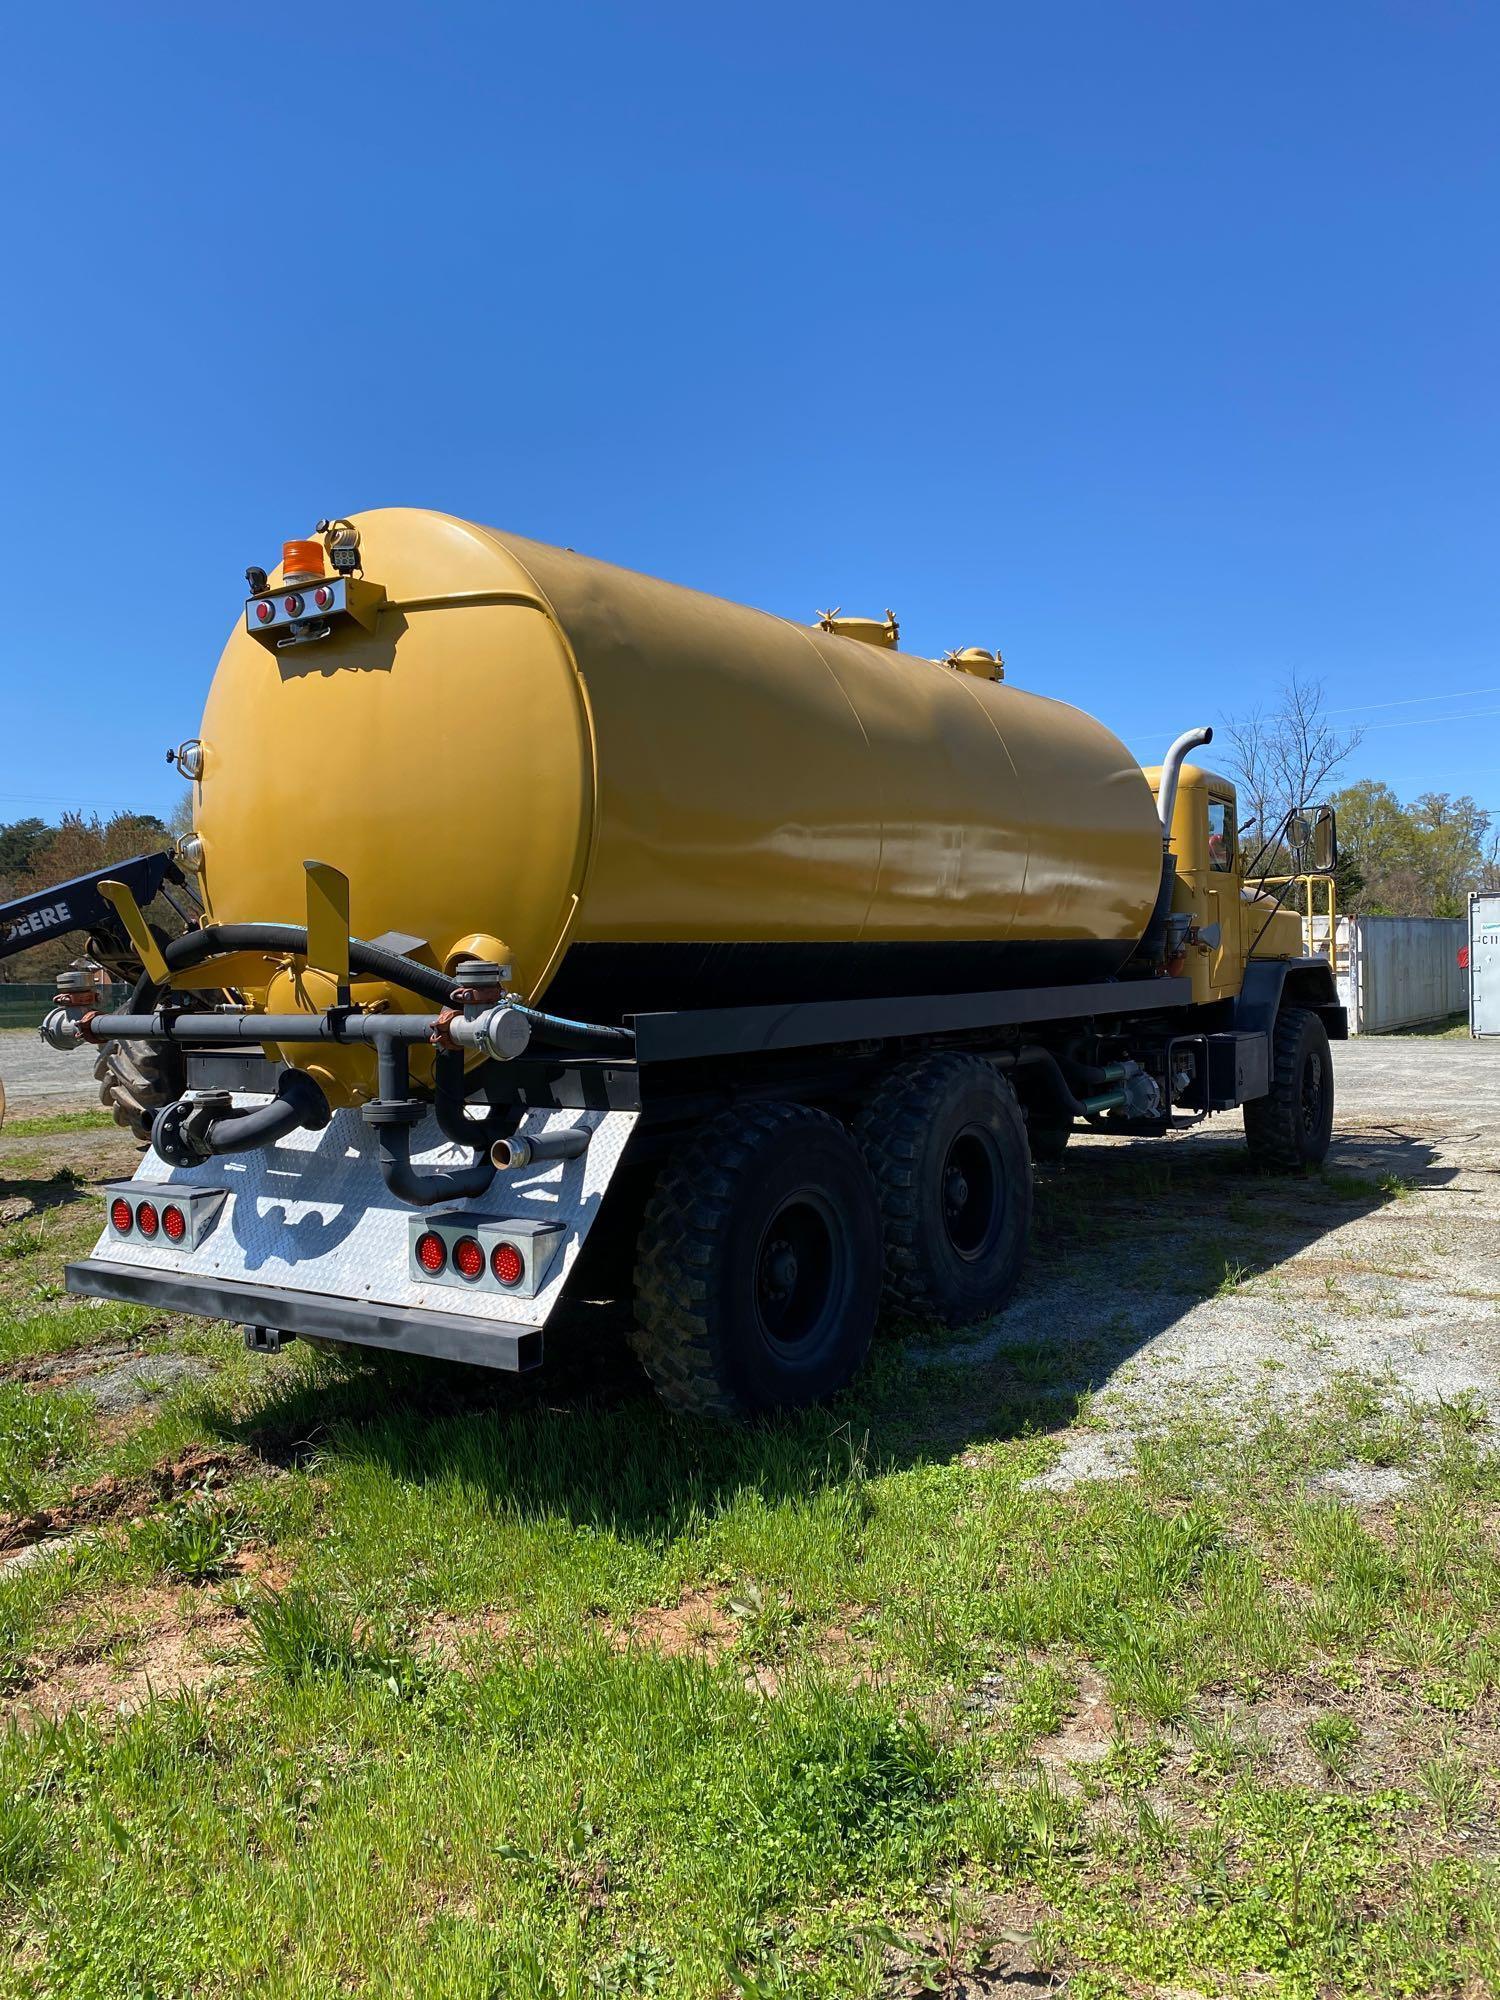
(1130, 1237)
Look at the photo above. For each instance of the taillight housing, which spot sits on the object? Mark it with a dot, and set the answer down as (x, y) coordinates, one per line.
(171, 1215)
(516, 1255)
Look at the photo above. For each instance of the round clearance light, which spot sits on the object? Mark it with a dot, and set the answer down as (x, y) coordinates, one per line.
(323, 597)
(174, 1222)
(292, 605)
(265, 611)
(468, 1258)
(190, 759)
(146, 1219)
(432, 1252)
(120, 1215)
(190, 852)
(507, 1263)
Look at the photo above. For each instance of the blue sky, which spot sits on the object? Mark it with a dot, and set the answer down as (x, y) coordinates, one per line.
(1156, 344)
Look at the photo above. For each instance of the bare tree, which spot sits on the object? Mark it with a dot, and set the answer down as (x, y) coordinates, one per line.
(1284, 756)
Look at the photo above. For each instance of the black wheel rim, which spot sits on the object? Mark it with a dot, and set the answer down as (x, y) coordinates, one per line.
(973, 1193)
(1312, 1093)
(801, 1275)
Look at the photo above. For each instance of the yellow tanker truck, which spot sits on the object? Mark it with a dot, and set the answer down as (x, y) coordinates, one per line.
(546, 906)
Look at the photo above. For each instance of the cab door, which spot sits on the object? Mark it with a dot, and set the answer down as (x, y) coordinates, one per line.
(1224, 879)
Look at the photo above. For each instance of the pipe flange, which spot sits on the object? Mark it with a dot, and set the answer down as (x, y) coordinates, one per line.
(393, 1111)
(178, 1131)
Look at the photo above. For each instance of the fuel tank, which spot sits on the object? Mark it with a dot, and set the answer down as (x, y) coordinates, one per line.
(655, 798)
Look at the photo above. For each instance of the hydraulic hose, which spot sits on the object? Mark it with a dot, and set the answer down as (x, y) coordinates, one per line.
(372, 959)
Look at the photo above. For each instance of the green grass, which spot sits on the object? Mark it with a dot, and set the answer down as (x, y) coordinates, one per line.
(539, 1691)
(50, 1124)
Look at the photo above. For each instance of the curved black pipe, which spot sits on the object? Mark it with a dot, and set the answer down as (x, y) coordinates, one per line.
(184, 1135)
(448, 1101)
(391, 1116)
(423, 1186)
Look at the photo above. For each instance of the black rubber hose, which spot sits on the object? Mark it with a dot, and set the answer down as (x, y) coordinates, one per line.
(372, 959)
(1057, 1083)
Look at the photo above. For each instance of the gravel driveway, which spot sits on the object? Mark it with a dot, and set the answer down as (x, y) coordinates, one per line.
(1169, 1279)
(44, 1079)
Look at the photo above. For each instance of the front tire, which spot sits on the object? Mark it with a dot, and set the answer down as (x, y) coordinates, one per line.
(946, 1142)
(1289, 1129)
(136, 1079)
(758, 1265)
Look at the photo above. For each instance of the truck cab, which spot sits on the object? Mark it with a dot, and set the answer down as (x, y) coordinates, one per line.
(1231, 917)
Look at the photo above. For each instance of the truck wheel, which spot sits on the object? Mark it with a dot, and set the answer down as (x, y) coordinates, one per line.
(946, 1142)
(136, 1079)
(1290, 1127)
(757, 1280)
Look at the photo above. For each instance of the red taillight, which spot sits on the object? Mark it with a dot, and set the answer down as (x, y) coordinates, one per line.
(174, 1222)
(146, 1219)
(292, 605)
(468, 1258)
(507, 1263)
(323, 597)
(432, 1252)
(119, 1214)
(265, 611)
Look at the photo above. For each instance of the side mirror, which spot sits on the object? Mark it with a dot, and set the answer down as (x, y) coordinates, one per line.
(1325, 841)
(1299, 834)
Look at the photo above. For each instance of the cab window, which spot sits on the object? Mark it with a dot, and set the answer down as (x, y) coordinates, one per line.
(1220, 835)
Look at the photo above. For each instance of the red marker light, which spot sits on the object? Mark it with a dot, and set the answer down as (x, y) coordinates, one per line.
(323, 597)
(174, 1222)
(292, 605)
(119, 1214)
(507, 1263)
(468, 1258)
(432, 1252)
(265, 611)
(146, 1219)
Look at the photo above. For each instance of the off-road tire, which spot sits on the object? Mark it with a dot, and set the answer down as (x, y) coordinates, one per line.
(939, 1121)
(711, 1290)
(136, 1079)
(1288, 1130)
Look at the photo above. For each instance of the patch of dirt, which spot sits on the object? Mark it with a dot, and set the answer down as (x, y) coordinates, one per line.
(58, 1371)
(142, 1379)
(1084, 1738)
(162, 1650)
(116, 1498)
(991, 1958)
(696, 1624)
(451, 1635)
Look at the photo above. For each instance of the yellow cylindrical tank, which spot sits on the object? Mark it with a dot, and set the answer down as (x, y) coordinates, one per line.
(655, 798)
